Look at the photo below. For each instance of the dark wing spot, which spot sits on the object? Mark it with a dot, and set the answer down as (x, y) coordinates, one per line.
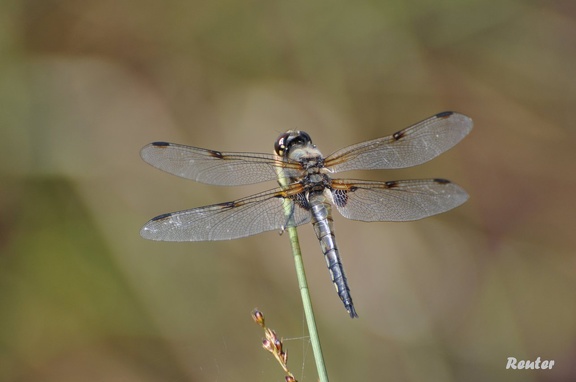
(216, 154)
(391, 184)
(340, 196)
(444, 114)
(230, 204)
(442, 181)
(161, 217)
(160, 144)
(301, 201)
(399, 134)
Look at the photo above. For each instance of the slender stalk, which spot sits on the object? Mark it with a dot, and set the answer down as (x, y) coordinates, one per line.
(307, 303)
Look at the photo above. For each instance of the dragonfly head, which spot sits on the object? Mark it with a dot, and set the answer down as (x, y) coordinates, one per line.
(291, 139)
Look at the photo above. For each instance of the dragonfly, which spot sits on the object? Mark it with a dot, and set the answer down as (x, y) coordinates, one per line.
(307, 189)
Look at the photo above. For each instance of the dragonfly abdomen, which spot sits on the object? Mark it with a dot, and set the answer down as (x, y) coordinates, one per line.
(322, 223)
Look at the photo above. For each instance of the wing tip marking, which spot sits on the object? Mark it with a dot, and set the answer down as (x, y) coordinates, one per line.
(161, 217)
(160, 144)
(444, 114)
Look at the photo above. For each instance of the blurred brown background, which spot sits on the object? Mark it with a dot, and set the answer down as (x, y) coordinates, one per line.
(85, 84)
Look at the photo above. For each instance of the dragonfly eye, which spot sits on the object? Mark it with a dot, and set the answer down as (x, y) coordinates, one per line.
(285, 141)
(303, 138)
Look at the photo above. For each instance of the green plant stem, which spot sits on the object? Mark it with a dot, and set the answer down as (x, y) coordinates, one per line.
(307, 303)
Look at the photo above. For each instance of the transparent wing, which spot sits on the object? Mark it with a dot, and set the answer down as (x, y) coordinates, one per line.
(409, 147)
(214, 167)
(403, 200)
(231, 220)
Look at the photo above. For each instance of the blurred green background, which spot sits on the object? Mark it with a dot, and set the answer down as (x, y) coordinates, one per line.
(85, 84)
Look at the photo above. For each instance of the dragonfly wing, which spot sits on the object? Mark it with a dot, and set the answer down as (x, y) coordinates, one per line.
(214, 167)
(244, 217)
(396, 200)
(414, 145)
